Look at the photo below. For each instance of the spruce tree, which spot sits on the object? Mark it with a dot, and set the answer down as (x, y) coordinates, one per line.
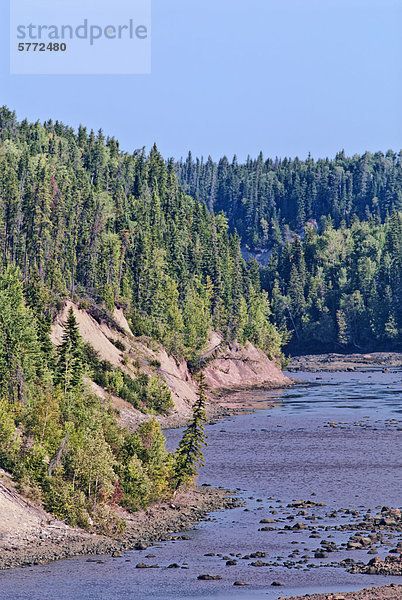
(70, 360)
(37, 298)
(189, 453)
(19, 348)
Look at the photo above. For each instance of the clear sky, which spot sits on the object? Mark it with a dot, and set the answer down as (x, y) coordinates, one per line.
(286, 77)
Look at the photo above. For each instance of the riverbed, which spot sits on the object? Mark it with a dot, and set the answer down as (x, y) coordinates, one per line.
(332, 442)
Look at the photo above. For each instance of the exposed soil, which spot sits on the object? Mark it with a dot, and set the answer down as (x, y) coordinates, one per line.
(347, 362)
(238, 367)
(227, 369)
(29, 535)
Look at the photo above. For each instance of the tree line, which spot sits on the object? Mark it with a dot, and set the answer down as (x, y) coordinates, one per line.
(99, 224)
(263, 199)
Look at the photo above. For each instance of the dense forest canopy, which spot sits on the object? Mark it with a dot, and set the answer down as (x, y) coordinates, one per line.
(341, 288)
(94, 222)
(331, 230)
(263, 199)
(115, 227)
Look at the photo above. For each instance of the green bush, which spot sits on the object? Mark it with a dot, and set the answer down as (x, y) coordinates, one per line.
(60, 498)
(118, 343)
(155, 363)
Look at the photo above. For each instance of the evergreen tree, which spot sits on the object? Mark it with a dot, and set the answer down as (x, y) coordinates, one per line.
(37, 298)
(189, 455)
(19, 348)
(69, 368)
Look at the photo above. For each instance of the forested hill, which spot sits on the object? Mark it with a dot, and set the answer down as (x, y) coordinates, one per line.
(82, 221)
(340, 289)
(263, 198)
(93, 222)
(331, 235)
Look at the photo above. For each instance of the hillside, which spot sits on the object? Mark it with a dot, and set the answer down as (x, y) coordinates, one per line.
(100, 226)
(116, 290)
(226, 367)
(265, 198)
(327, 235)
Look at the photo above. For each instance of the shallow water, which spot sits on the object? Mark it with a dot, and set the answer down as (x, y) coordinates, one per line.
(289, 451)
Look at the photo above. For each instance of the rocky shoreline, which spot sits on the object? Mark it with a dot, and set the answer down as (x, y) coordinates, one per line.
(52, 540)
(387, 592)
(391, 565)
(375, 361)
(371, 532)
(40, 538)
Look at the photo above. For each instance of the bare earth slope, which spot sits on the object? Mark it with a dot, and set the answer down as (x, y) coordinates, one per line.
(237, 367)
(228, 368)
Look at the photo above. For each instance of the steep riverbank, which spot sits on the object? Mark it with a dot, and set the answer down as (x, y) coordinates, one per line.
(30, 536)
(227, 367)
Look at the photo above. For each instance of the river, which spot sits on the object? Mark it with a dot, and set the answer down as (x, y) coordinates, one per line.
(334, 439)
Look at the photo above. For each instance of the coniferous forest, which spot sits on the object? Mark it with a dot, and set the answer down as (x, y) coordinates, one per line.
(91, 221)
(329, 233)
(82, 220)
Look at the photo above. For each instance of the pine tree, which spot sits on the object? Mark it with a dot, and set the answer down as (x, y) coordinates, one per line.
(189, 453)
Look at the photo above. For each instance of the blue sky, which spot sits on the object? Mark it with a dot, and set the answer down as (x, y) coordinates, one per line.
(286, 77)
